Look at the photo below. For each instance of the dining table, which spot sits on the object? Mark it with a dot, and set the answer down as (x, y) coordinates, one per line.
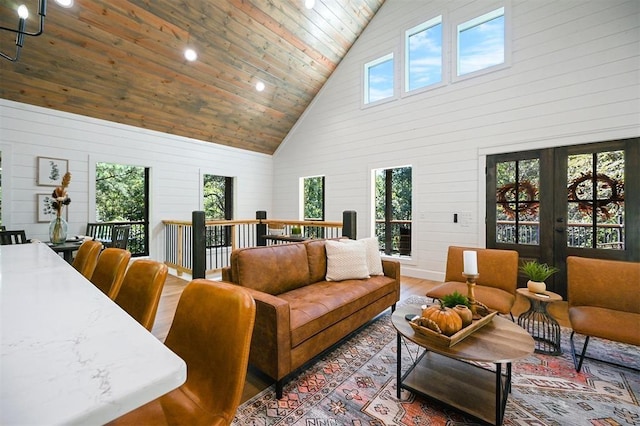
(67, 248)
(70, 355)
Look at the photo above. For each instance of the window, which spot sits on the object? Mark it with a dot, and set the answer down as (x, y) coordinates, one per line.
(481, 42)
(218, 204)
(122, 195)
(378, 79)
(312, 204)
(423, 55)
(313, 198)
(218, 197)
(393, 210)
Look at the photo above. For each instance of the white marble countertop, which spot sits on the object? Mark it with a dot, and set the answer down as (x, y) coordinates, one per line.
(69, 354)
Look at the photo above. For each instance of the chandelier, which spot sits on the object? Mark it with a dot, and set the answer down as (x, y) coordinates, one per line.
(23, 14)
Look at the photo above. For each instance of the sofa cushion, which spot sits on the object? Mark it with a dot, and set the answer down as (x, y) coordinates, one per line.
(315, 307)
(606, 323)
(346, 261)
(495, 298)
(317, 257)
(274, 269)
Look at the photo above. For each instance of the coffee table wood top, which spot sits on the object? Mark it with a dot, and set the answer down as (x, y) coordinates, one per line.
(500, 341)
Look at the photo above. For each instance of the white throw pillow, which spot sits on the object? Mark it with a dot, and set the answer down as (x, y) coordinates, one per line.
(372, 253)
(374, 261)
(346, 261)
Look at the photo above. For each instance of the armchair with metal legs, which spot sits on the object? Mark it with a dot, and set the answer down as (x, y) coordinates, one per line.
(604, 302)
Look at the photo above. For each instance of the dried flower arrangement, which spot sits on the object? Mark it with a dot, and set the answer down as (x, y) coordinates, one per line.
(59, 197)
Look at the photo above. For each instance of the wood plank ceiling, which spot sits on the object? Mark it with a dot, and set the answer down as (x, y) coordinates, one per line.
(123, 61)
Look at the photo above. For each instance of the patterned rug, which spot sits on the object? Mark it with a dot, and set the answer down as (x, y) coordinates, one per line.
(355, 384)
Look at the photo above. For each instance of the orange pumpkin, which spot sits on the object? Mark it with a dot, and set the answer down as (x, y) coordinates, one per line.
(446, 318)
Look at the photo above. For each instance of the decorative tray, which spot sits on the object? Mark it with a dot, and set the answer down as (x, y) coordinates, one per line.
(448, 341)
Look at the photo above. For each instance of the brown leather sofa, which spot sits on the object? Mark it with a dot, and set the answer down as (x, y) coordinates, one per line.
(604, 301)
(298, 313)
(497, 277)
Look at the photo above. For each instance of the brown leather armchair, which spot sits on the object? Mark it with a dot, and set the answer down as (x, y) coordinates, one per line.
(87, 258)
(604, 301)
(109, 272)
(497, 277)
(211, 332)
(141, 289)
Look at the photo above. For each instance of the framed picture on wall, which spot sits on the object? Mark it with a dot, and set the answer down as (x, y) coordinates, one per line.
(51, 171)
(46, 213)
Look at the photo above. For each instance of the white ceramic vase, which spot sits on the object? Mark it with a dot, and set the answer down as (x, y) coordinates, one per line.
(536, 286)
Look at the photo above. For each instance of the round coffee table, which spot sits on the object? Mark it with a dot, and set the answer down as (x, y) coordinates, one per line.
(445, 373)
(543, 327)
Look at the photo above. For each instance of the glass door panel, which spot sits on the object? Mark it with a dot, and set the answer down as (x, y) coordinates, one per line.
(595, 200)
(517, 202)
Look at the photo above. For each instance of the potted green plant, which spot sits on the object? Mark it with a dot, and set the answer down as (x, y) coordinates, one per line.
(537, 273)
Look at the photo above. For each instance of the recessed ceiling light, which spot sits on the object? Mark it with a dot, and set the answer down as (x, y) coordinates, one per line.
(190, 55)
(259, 86)
(309, 3)
(65, 3)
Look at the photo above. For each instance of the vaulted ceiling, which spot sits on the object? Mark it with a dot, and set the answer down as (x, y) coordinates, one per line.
(123, 61)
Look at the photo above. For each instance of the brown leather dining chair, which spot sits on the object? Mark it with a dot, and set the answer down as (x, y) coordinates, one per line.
(211, 332)
(110, 270)
(87, 258)
(140, 291)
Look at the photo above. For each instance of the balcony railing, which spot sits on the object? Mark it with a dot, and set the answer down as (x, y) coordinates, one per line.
(137, 243)
(580, 235)
(398, 241)
(224, 236)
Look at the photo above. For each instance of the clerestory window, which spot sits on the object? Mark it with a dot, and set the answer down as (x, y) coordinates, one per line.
(379, 79)
(423, 55)
(481, 42)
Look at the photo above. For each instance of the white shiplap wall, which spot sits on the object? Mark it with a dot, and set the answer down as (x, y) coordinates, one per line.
(27, 132)
(572, 77)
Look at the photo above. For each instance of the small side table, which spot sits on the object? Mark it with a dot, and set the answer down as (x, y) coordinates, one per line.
(544, 329)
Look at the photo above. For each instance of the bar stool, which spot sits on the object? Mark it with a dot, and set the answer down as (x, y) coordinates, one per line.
(211, 332)
(140, 291)
(87, 258)
(110, 269)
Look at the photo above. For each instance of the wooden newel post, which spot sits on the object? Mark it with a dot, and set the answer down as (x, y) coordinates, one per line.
(199, 245)
(261, 228)
(349, 224)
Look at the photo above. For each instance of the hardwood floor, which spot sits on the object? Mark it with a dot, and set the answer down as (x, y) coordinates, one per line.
(256, 381)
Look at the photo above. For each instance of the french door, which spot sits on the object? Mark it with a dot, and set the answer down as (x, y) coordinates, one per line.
(581, 200)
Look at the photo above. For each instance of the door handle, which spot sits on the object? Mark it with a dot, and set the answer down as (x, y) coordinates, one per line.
(559, 229)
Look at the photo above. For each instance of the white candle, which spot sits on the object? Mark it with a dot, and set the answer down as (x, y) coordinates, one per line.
(470, 258)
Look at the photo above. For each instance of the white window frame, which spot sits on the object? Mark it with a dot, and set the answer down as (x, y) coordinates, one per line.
(440, 19)
(367, 66)
(481, 17)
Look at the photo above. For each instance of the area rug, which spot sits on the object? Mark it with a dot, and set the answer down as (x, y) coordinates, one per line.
(355, 384)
